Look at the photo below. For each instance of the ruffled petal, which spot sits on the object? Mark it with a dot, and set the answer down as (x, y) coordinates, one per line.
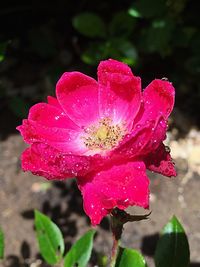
(144, 139)
(158, 135)
(161, 162)
(135, 144)
(119, 92)
(120, 186)
(51, 116)
(158, 98)
(46, 161)
(53, 101)
(150, 125)
(66, 140)
(49, 124)
(78, 96)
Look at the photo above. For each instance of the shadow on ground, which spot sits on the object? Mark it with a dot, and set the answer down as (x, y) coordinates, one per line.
(64, 207)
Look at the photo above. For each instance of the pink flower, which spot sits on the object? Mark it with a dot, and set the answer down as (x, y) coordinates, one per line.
(106, 133)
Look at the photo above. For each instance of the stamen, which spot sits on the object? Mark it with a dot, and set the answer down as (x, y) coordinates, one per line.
(103, 136)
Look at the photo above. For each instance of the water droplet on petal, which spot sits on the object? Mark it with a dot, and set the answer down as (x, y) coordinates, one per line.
(138, 126)
(57, 118)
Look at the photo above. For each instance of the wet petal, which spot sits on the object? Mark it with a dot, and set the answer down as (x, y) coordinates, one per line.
(51, 116)
(120, 186)
(161, 162)
(53, 101)
(119, 92)
(144, 139)
(66, 140)
(46, 161)
(158, 99)
(78, 96)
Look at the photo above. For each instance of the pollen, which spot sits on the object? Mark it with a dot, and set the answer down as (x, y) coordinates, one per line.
(104, 136)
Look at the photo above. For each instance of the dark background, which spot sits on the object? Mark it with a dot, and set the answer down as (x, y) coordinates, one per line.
(41, 39)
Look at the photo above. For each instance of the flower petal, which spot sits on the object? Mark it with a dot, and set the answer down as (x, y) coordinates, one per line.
(119, 92)
(53, 101)
(158, 135)
(66, 140)
(133, 145)
(51, 116)
(78, 96)
(150, 124)
(46, 161)
(120, 186)
(158, 99)
(144, 139)
(161, 162)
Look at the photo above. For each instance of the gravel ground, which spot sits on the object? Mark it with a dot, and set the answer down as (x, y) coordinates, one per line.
(21, 193)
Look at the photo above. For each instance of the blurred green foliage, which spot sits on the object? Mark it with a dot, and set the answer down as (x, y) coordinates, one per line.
(158, 38)
(108, 41)
(158, 28)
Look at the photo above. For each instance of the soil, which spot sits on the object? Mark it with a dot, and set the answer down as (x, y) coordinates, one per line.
(21, 193)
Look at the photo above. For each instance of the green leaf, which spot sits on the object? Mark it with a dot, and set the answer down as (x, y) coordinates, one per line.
(122, 24)
(80, 252)
(142, 8)
(102, 260)
(130, 258)
(116, 48)
(95, 53)
(172, 249)
(134, 12)
(126, 51)
(157, 37)
(90, 25)
(50, 239)
(1, 244)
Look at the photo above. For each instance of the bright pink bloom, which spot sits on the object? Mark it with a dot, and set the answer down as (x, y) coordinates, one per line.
(105, 132)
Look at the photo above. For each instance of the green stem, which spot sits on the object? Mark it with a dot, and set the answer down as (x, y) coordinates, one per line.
(118, 219)
(116, 227)
(114, 254)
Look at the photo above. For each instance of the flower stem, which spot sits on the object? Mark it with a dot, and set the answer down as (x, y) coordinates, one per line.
(116, 227)
(118, 219)
(115, 248)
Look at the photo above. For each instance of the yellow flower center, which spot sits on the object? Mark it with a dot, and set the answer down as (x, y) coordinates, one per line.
(104, 136)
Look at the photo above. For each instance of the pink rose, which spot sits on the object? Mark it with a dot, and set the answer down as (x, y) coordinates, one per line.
(105, 132)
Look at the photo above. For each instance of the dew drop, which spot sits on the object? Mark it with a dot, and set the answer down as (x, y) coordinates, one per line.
(57, 118)
(138, 126)
(139, 144)
(163, 123)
